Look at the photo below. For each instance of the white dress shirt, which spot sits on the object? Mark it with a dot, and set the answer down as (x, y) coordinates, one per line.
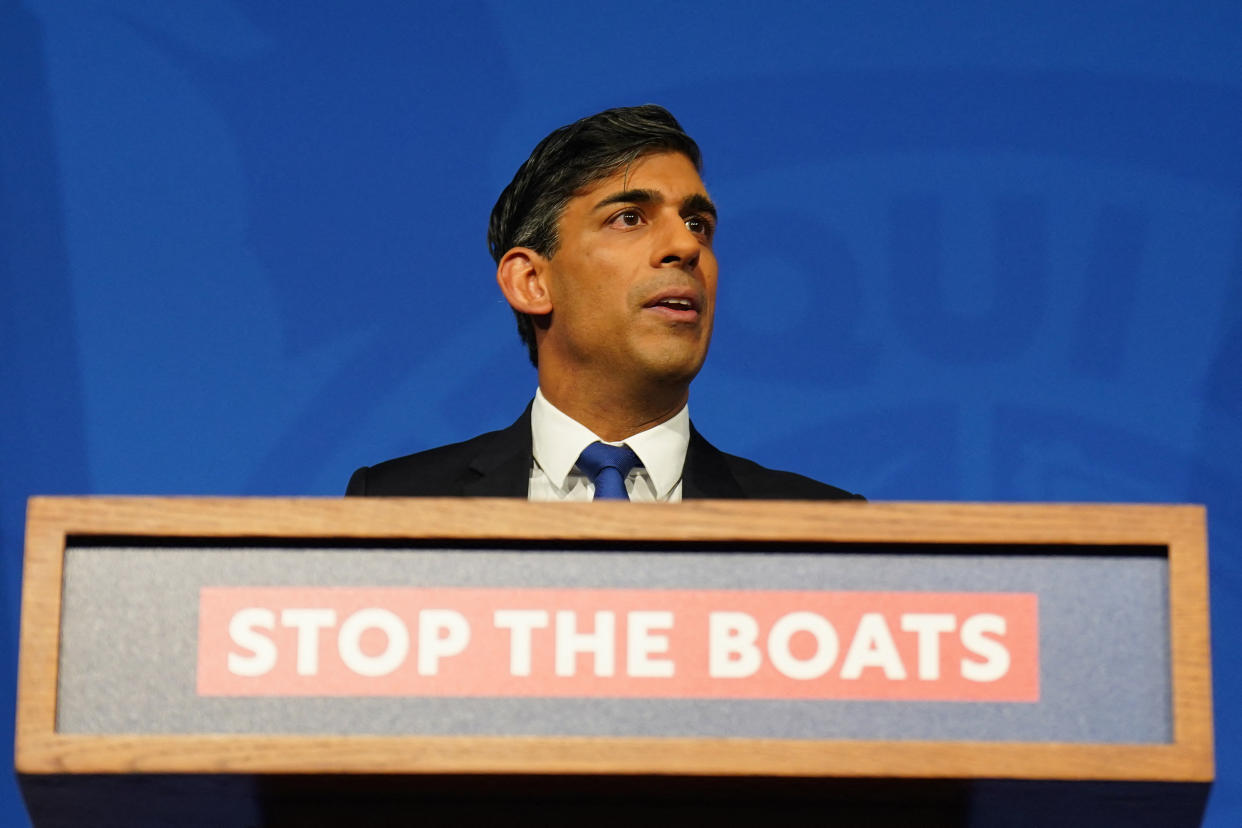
(557, 439)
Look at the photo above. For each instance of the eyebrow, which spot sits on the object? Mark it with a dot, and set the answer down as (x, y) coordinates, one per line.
(699, 203)
(696, 202)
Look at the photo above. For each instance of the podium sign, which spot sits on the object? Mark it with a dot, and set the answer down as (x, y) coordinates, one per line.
(704, 639)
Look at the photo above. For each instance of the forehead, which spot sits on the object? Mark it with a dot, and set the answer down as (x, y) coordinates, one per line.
(668, 172)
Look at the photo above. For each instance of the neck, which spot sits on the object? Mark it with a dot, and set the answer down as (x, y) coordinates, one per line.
(615, 414)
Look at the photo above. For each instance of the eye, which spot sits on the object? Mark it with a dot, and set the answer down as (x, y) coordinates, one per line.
(700, 226)
(628, 217)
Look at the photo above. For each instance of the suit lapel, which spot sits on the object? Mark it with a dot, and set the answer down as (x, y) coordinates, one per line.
(501, 468)
(706, 474)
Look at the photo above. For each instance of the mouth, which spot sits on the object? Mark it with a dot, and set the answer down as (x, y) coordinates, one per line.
(679, 306)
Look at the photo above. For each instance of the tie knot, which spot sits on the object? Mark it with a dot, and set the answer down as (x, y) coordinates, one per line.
(608, 466)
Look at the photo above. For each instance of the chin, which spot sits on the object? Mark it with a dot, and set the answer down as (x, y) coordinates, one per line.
(670, 360)
(672, 369)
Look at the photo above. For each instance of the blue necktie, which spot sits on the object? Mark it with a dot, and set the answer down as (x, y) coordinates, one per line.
(608, 466)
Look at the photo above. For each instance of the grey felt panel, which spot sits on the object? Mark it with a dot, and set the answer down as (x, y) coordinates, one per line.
(130, 615)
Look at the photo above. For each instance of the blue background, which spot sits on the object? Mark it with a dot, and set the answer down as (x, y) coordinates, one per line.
(986, 252)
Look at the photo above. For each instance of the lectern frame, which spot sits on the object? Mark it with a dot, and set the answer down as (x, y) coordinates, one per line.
(53, 522)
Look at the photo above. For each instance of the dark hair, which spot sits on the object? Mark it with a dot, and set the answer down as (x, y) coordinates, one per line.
(570, 159)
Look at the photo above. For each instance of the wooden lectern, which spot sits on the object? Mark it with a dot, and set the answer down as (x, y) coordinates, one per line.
(387, 661)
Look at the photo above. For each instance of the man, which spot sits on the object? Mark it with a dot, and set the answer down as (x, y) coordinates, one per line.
(603, 247)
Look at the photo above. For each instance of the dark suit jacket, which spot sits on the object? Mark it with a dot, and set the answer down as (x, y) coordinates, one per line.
(497, 464)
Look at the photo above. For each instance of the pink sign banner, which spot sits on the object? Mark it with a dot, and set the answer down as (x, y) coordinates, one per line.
(618, 643)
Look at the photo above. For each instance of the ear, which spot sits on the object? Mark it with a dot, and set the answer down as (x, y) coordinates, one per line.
(520, 275)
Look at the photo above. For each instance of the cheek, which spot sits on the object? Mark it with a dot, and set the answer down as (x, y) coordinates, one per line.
(709, 286)
(603, 278)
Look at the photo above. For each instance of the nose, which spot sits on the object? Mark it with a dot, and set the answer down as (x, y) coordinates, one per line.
(677, 246)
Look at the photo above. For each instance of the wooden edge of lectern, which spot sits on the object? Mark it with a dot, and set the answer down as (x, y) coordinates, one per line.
(51, 521)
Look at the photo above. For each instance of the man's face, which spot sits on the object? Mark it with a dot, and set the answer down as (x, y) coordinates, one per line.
(633, 281)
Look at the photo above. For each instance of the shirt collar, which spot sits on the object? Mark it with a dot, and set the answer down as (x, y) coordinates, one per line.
(557, 439)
